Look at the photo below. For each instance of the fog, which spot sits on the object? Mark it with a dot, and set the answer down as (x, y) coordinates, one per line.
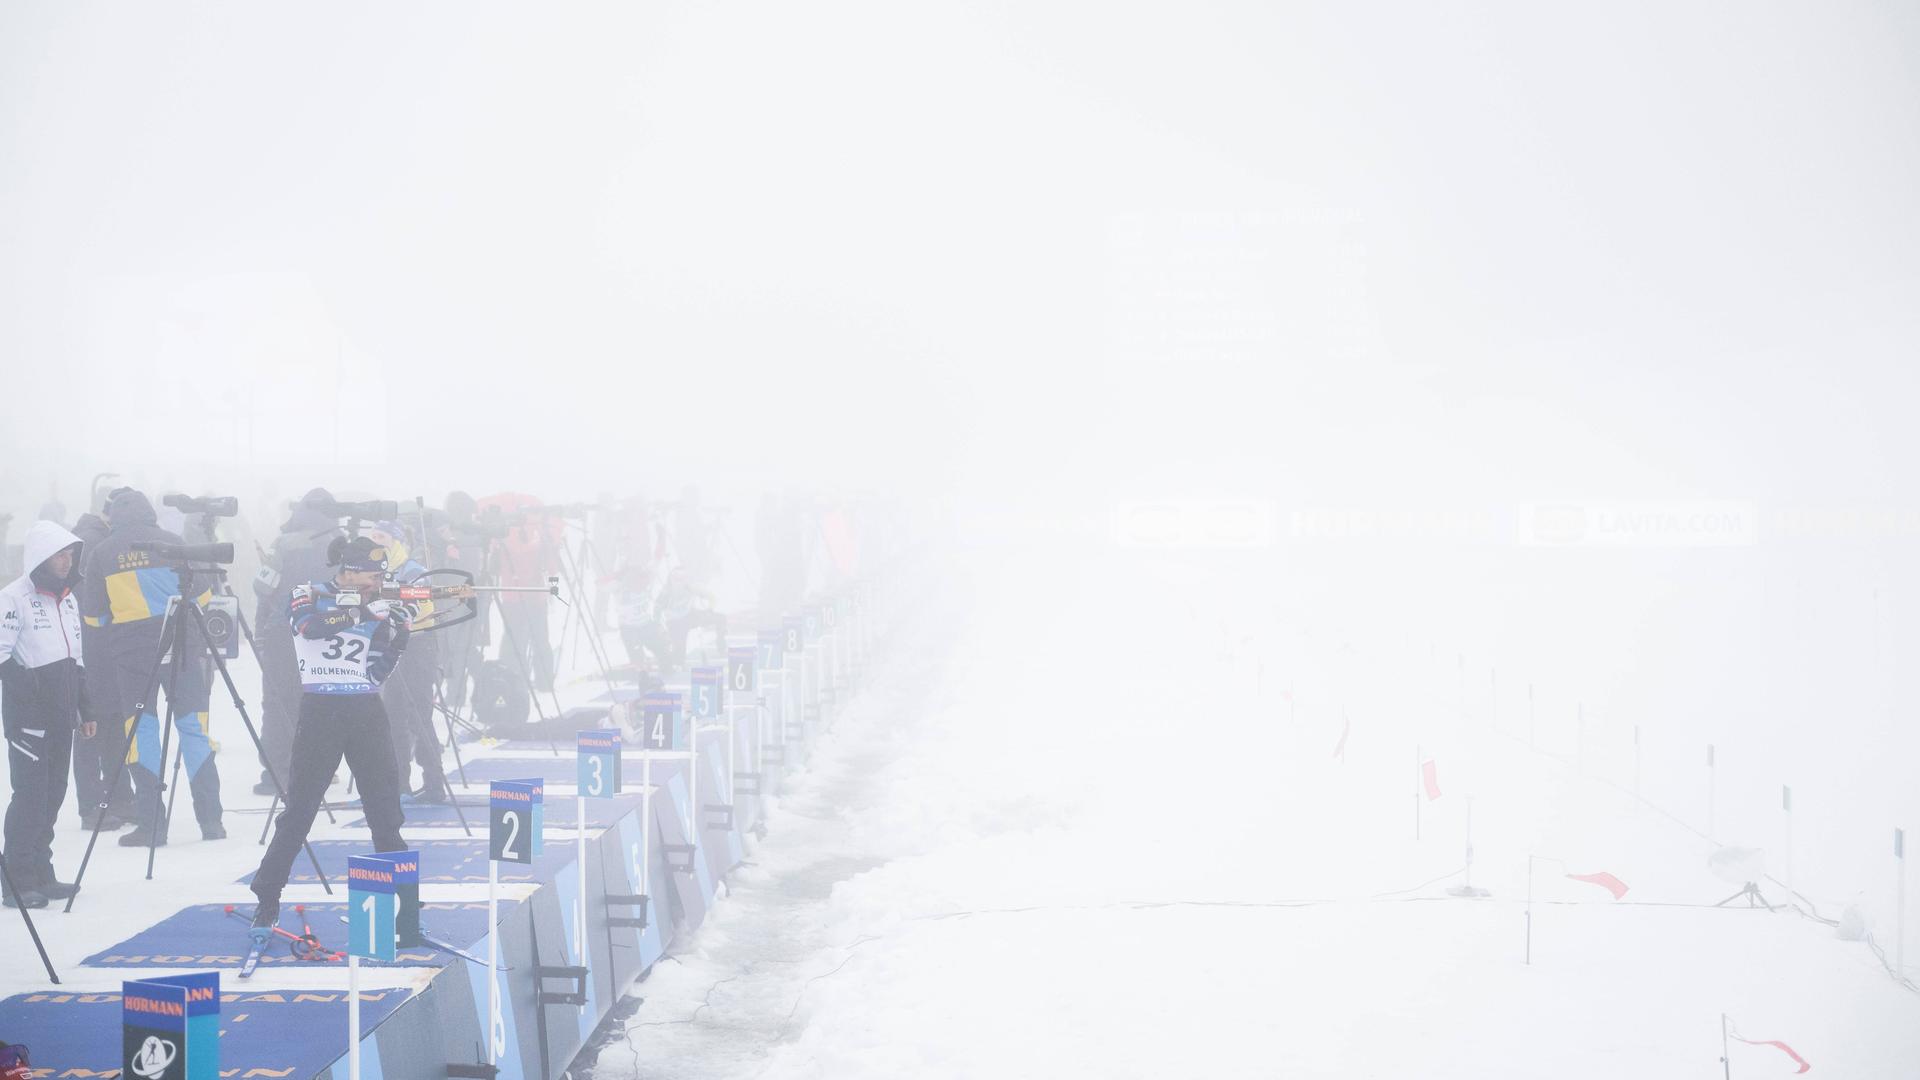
(1435, 295)
(1494, 251)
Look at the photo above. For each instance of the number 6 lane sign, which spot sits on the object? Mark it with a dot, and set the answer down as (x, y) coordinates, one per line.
(740, 669)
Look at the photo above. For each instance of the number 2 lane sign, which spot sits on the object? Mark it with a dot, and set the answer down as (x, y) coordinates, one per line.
(515, 820)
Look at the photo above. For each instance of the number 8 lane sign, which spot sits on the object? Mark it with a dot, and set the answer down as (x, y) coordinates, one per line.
(515, 825)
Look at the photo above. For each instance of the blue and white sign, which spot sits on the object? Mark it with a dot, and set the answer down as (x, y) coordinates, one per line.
(660, 721)
(170, 1027)
(706, 692)
(372, 928)
(599, 763)
(740, 675)
(514, 809)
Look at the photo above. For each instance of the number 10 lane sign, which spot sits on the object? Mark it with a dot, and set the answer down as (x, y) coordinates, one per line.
(515, 830)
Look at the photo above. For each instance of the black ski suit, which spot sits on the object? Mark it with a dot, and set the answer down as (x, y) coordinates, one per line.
(40, 666)
(343, 654)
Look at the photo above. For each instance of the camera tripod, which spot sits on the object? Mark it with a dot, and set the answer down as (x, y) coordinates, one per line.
(1751, 893)
(174, 640)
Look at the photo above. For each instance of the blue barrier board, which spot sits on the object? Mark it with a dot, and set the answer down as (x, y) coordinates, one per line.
(280, 1033)
(204, 936)
(559, 812)
(552, 770)
(461, 860)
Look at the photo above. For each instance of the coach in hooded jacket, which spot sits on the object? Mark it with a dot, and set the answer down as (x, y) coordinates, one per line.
(40, 697)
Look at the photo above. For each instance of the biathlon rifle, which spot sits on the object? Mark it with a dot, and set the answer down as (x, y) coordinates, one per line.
(454, 588)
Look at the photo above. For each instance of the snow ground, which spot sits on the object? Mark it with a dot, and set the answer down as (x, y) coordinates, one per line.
(1076, 828)
(1087, 820)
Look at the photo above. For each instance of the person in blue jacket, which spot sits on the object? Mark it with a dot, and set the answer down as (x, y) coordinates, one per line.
(124, 594)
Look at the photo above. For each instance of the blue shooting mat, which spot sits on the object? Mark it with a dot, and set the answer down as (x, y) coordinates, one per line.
(204, 936)
(558, 811)
(263, 1032)
(540, 747)
(461, 860)
(564, 769)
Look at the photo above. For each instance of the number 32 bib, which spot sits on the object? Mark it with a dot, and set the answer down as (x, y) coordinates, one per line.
(337, 664)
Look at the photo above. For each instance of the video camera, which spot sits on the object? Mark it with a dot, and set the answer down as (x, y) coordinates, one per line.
(211, 505)
(221, 553)
(569, 511)
(370, 510)
(222, 613)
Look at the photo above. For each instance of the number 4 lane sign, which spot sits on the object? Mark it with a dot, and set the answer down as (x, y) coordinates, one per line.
(660, 721)
(515, 811)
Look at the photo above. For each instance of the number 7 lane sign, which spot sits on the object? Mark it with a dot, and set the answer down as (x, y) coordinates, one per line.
(514, 808)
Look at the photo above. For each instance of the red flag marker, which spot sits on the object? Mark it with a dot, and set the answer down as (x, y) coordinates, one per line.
(1605, 880)
(1430, 776)
(1782, 1047)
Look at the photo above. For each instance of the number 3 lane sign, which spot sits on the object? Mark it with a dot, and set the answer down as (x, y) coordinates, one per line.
(599, 763)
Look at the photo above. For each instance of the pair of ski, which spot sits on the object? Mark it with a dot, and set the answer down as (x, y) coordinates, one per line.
(306, 945)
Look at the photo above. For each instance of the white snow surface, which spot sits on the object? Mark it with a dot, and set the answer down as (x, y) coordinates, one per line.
(1087, 820)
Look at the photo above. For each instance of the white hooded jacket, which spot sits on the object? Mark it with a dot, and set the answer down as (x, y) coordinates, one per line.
(38, 629)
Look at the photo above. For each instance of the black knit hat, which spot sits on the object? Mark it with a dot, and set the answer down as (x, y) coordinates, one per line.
(358, 553)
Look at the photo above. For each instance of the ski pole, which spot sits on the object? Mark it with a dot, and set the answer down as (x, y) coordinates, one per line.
(31, 932)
